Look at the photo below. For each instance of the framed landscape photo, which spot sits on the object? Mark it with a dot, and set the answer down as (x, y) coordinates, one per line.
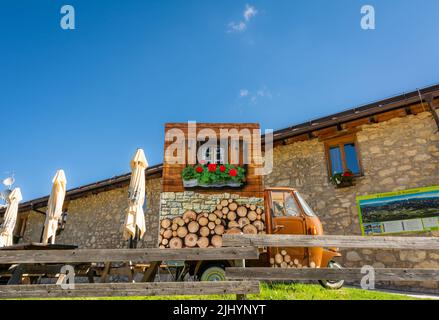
(404, 211)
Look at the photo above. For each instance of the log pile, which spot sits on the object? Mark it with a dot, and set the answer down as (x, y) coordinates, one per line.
(283, 260)
(205, 229)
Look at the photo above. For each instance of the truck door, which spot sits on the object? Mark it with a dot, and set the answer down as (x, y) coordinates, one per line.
(286, 218)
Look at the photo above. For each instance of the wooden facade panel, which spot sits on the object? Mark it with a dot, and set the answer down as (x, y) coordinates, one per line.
(172, 181)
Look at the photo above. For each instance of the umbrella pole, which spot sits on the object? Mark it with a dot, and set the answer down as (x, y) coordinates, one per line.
(136, 237)
(42, 234)
(133, 245)
(134, 240)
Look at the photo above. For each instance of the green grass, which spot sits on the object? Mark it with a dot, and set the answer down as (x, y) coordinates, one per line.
(283, 292)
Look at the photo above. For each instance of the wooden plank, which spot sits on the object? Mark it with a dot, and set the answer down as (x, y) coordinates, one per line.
(426, 243)
(381, 274)
(131, 289)
(134, 255)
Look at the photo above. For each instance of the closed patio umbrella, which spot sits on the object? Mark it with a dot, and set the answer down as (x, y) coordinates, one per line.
(135, 216)
(10, 218)
(54, 206)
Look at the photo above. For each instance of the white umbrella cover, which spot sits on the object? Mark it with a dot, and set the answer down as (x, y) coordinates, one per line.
(54, 206)
(10, 218)
(136, 197)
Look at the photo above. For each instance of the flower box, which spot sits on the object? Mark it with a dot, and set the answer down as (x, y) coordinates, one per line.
(213, 176)
(220, 185)
(343, 180)
(345, 184)
(190, 183)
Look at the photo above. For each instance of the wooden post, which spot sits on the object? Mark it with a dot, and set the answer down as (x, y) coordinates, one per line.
(151, 271)
(241, 264)
(105, 272)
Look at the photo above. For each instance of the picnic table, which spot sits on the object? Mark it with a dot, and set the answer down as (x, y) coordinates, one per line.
(32, 272)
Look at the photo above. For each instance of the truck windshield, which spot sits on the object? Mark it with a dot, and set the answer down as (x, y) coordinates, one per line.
(308, 211)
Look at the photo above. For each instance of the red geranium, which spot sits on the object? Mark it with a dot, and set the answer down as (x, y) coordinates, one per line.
(347, 174)
(211, 167)
(232, 172)
(199, 169)
(222, 168)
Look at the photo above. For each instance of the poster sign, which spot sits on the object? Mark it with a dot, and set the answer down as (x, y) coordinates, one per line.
(405, 211)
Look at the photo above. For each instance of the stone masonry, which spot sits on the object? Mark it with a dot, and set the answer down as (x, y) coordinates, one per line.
(176, 203)
(398, 154)
(96, 221)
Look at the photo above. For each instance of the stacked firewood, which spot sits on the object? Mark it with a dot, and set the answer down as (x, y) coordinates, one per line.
(206, 229)
(283, 260)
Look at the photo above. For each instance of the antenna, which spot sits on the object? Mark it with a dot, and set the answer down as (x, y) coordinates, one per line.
(9, 181)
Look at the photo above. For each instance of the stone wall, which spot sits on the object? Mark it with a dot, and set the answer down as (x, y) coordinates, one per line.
(398, 154)
(96, 221)
(176, 203)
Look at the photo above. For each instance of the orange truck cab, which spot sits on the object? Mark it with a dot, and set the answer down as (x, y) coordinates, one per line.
(286, 212)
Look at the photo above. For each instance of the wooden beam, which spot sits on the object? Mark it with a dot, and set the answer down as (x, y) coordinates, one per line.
(131, 289)
(134, 255)
(350, 274)
(427, 243)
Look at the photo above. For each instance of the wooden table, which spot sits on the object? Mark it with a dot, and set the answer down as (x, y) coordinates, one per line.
(15, 273)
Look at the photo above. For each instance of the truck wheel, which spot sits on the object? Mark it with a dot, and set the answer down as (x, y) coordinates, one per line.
(213, 274)
(332, 284)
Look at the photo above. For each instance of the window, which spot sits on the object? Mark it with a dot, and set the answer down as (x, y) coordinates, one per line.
(342, 155)
(308, 211)
(212, 154)
(291, 208)
(284, 204)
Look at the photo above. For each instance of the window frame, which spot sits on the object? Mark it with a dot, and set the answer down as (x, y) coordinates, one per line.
(340, 142)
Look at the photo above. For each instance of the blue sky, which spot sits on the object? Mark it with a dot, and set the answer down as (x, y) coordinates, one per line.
(85, 99)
